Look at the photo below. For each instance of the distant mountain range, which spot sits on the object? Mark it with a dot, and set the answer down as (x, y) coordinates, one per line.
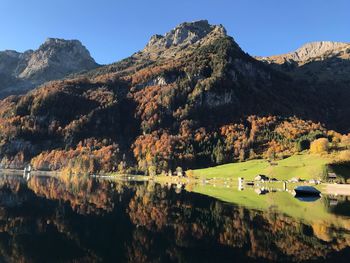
(191, 97)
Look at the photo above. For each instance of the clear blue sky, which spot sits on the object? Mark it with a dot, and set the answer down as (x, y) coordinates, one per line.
(114, 29)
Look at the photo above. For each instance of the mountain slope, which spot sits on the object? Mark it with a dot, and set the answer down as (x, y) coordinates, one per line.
(215, 68)
(189, 98)
(54, 59)
(314, 51)
(316, 61)
(323, 67)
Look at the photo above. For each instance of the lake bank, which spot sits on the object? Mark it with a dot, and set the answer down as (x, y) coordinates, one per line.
(299, 169)
(336, 189)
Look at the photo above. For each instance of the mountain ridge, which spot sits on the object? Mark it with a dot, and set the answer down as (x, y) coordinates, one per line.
(182, 36)
(194, 100)
(317, 50)
(54, 59)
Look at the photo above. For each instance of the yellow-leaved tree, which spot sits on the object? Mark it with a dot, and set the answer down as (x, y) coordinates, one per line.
(320, 145)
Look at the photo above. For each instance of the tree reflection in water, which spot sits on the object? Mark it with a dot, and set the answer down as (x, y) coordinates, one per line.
(48, 220)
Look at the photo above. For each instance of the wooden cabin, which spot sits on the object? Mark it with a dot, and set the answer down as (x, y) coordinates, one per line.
(332, 176)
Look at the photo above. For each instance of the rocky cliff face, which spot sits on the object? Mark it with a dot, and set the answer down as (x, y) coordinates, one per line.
(314, 51)
(183, 36)
(54, 59)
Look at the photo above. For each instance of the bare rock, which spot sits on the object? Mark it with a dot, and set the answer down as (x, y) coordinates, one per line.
(55, 59)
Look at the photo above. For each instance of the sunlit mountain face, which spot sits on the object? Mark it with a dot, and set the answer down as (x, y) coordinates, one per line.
(54, 59)
(191, 98)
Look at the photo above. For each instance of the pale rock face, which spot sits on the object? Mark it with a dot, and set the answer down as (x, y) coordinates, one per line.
(213, 100)
(57, 57)
(54, 59)
(311, 52)
(158, 81)
(182, 36)
(316, 49)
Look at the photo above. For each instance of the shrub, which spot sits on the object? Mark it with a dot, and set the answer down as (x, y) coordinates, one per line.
(190, 174)
(345, 141)
(344, 156)
(319, 146)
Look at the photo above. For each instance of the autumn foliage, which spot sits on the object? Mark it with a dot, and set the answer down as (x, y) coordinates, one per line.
(88, 157)
(319, 146)
(195, 109)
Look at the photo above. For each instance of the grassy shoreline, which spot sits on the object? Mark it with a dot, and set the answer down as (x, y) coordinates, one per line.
(304, 166)
(221, 182)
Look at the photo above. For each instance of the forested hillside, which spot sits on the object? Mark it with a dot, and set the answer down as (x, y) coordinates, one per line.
(191, 98)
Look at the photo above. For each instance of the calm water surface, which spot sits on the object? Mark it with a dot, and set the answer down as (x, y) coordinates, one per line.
(47, 220)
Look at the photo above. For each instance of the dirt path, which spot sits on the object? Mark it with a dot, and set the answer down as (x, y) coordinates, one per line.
(337, 189)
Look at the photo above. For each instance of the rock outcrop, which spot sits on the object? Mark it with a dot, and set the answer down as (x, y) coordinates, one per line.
(314, 51)
(54, 59)
(181, 37)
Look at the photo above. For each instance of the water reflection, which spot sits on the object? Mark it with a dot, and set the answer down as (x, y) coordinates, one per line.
(308, 198)
(47, 220)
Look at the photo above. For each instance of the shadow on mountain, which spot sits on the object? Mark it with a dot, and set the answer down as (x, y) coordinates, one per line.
(328, 81)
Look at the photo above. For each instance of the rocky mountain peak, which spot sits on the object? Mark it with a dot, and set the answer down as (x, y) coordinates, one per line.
(310, 52)
(184, 34)
(54, 59)
(61, 43)
(316, 49)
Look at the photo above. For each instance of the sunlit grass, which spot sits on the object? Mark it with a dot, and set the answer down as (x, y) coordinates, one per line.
(305, 166)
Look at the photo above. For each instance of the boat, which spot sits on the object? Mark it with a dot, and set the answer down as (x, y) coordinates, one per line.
(306, 191)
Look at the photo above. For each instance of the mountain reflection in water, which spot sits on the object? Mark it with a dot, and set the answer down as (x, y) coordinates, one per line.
(47, 220)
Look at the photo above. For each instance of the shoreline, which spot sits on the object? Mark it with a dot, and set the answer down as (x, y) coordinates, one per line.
(325, 188)
(336, 189)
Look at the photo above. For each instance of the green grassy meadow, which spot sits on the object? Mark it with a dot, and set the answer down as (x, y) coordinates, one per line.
(304, 166)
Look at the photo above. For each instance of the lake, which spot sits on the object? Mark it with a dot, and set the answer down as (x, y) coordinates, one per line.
(48, 220)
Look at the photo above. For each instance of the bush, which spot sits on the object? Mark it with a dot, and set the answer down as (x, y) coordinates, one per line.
(345, 141)
(189, 173)
(319, 146)
(344, 156)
